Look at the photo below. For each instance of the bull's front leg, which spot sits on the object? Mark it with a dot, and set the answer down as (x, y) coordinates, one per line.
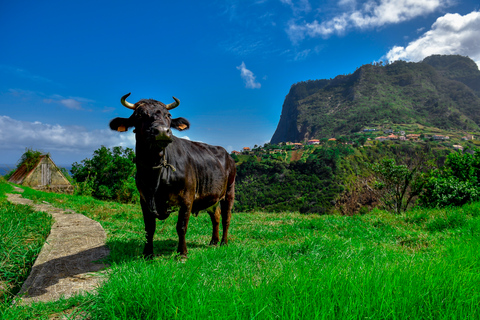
(150, 225)
(182, 226)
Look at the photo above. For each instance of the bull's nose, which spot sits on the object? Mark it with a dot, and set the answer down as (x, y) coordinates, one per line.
(162, 133)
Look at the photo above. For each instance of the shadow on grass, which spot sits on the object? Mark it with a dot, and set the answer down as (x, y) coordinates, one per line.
(57, 276)
(125, 250)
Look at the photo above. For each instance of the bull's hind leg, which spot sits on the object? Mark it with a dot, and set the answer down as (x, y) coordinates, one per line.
(226, 206)
(214, 212)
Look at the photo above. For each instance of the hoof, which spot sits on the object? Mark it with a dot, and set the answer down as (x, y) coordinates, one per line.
(148, 256)
(181, 257)
(213, 243)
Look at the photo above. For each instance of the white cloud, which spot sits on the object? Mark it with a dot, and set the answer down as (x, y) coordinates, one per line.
(248, 77)
(18, 135)
(371, 14)
(393, 11)
(74, 103)
(71, 104)
(450, 34)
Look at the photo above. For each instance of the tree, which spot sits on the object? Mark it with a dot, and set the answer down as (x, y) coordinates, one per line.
(398, 185)
(110, 174)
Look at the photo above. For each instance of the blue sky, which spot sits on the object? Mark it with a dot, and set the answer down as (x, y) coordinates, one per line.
(65, 64)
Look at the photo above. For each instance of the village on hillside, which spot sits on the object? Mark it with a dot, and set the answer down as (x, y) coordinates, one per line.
(374, 135)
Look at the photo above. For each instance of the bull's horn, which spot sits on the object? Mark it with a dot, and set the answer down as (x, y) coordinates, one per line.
(173, 105)
(126, 103)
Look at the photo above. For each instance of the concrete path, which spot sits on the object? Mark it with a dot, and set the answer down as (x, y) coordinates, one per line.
(67, 263)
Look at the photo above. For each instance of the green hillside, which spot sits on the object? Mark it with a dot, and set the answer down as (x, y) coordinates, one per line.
(440, 92)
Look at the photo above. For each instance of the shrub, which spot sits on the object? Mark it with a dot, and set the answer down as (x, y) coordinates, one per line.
(456, 183)
(85, 187)
(442, 191)
(128, 191)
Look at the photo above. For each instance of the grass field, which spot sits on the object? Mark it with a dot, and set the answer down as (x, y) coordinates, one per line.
(420, 265)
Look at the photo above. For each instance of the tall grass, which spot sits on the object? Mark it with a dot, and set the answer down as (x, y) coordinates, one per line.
(239, 284)
(313, 268)
(420, 265)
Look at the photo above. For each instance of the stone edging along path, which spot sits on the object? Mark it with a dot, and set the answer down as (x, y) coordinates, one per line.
(68, 259)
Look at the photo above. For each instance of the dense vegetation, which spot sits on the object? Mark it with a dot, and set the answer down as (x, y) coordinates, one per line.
(109, 175)
(338, 177)
(440, 92)
(317, 179)
(421, 264)
(456, 183)
(307, 186)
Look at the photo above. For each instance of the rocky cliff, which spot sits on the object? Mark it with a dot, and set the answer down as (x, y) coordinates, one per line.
(440, 91)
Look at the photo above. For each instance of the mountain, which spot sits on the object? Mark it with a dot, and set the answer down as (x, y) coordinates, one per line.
(440, 91)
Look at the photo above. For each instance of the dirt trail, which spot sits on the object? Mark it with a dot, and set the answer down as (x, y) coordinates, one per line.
(67, 263)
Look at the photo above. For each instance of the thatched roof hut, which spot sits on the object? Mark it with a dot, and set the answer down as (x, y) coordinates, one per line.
(41, 174)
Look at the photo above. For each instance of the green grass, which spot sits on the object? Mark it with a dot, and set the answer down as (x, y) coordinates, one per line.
(22, 234)
(4, 188)
(420, 265)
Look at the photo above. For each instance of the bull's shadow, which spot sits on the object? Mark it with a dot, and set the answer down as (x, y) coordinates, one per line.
(54, 276)
(59, 275)
(125, 250)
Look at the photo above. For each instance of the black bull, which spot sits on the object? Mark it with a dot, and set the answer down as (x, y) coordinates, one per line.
(177, 173)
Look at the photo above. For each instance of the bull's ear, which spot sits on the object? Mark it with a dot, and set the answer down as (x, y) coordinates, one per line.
(180, 124)
(121, 124)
